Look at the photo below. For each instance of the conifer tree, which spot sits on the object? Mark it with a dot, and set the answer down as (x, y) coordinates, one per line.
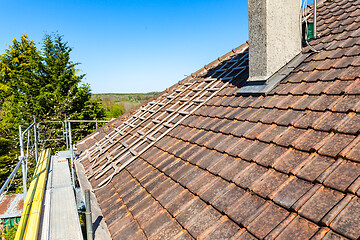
(42, 83)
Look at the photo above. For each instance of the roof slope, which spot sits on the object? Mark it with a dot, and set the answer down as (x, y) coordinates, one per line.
(202, 162)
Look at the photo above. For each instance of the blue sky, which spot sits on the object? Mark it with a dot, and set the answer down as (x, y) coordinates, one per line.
(132, 45)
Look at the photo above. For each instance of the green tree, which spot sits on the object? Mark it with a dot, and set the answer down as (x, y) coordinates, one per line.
(43, 83)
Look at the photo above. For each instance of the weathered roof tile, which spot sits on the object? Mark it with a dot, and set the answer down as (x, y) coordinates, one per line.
(343, 176)
(247, 209)
(292, 192)
(320, 204)
(299, 228)
(348, 220)
(282, 165)
(315, 167)
(267, 221)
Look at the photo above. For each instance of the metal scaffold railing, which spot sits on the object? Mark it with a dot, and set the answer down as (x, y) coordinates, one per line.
(28, 147)
(29, 140)
(51, 194)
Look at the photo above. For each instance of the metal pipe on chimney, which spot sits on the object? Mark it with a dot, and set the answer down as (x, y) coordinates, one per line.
(315, 13)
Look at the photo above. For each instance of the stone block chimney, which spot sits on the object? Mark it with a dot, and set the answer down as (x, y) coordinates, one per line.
(274, 36)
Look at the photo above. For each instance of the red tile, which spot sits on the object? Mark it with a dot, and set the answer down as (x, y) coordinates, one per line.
(171, 168)
(259, 114)
(300, 229)
(350, 125)
(245, 236)
(343, 176)
(198, 156)
(308, 120)
(289, 118)
(229, 198)
(142, 206)
(126, 232)
(318, 87)
(169, 232)
(270, 183)
(246, 114)
(270, 156)
(191, 176)
(234, 169)
(323, 102)
(315, 167)
(288, 137)
(272, 133)
(288, 102)
(239, 147)
(338, 87)
(290, 160)
(223, 163)
(231, 127)
(215, 141)
(220, 126)
(273, 100)
(330, 235)
(304, 102)
(250, 175)
(285, 88)
(354, 88)
(354, 152)
(292, 192)
(258, 129)
(272, 116)
(351, 73)
(267, 221)
(233, 114)
(320, 204)
(206, 138)
(170, 194)
(253, 151)
(208, 218)
(348, 220)
(193, 149)
(345, 103)
(247, 209)
(202, 183)
(336, 144)
(242, 128)
(216, 189)
(225, 230)
(310, 140)
(329, 121)
(301, 88)
(211, 158)
(156, 224)
(186, 216)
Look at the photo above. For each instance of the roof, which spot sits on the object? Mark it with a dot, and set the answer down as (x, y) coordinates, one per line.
(11, 206)
(201, 161)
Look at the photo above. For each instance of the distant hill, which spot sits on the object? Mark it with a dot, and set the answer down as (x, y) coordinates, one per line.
(117, 104)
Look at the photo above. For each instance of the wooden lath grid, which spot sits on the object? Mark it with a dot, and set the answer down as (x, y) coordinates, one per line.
(204, 95)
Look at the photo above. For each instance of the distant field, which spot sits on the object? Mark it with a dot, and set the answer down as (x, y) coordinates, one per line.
(117, 104)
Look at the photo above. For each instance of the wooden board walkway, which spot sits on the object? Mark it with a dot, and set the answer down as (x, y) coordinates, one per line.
(60, 219)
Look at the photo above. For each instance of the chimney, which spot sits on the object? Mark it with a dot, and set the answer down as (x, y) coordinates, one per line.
(274, 36)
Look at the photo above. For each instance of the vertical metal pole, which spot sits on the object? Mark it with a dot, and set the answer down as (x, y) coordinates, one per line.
(315, 16)
(66, 136)
(96, 124)
(22, 158)
(35, 140)
(88, 219)
(72, 156)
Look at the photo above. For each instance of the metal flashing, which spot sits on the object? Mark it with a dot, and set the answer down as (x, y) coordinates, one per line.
(265, 86)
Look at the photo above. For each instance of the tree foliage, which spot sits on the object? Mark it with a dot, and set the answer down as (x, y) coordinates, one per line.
(44, 83)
